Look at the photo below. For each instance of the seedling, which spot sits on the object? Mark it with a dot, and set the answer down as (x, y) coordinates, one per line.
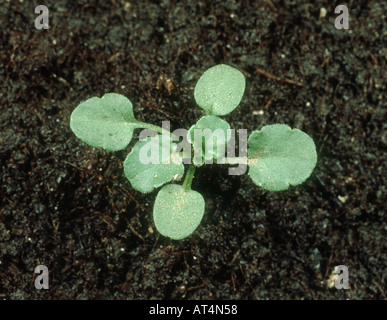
(278, 156)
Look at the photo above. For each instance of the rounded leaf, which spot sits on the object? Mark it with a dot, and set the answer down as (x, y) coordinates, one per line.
(220, 89)
(153, 162)
(279, 156)
(106, 122)
(177, 212)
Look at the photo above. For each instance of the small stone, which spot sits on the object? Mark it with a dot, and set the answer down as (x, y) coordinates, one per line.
(323, 12)
(258, 112)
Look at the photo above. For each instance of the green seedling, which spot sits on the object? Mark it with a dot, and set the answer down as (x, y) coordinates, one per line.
(277, 156)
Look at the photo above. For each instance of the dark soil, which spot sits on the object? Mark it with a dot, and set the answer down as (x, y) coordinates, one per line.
(68, 206)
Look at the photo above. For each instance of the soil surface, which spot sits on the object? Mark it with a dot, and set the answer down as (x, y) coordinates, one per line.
(68, 206)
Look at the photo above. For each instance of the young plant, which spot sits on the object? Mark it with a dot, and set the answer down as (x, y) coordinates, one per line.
(278, 156)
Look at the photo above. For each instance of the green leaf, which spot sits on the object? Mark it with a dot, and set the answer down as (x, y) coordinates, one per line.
(106, 122)
(220, 89)
(279, 156)
(153, 162)
(217, 127)
(177, 212)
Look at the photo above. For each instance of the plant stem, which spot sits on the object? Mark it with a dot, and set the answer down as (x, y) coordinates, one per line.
(189, 177)
(158, 129)
(150, 126)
